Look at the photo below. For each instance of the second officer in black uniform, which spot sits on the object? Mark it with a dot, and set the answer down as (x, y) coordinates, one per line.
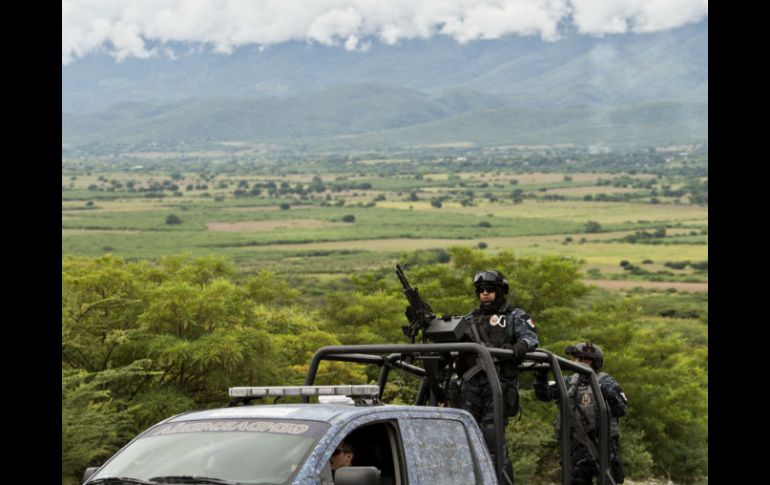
(584, 434)
(495, 323)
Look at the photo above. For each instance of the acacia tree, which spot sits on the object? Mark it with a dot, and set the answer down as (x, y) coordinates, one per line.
(101, 300)
(143, 341)
(93, 423)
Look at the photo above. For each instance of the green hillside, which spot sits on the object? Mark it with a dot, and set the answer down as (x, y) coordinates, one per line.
(372, 115)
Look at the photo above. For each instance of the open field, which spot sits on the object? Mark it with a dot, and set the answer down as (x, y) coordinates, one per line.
(591, 253)
(533, 177)
(602, 212)
(337, 221)
(615, 285)
(266, 225)
(581, 191)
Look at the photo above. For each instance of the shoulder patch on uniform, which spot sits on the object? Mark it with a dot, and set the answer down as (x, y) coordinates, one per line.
(518, 315)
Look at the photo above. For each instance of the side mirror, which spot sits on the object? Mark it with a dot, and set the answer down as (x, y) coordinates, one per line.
(89, 471)
(357, 475)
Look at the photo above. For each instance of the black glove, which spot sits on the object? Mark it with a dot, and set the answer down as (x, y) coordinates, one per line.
(519, 350)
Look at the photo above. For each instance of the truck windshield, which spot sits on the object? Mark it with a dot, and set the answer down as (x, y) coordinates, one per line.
(236, 450)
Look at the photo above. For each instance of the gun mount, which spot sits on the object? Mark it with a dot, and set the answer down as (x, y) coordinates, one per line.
(422, 319)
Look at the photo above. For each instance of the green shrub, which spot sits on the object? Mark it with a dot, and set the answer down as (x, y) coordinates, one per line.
(173, 219)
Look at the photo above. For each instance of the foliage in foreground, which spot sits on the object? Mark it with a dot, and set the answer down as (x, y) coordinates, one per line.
(142, 341)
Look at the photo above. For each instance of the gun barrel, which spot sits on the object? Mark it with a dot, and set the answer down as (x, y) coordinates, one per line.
(413, 297)
(402, 277)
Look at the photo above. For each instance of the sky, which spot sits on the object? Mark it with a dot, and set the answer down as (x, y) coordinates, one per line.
(145, 28)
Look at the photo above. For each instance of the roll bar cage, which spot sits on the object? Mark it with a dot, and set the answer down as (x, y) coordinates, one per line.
(403, 356)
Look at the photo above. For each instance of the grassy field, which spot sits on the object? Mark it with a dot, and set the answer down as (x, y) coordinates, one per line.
(615, 285)
(337, 222)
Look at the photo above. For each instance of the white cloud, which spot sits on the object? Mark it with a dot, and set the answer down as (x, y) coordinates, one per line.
(599, 17)
(491, 20)
(135, 28)
(339, 23)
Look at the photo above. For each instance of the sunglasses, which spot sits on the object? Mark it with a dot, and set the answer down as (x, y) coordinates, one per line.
(487, 290)
(338, 451)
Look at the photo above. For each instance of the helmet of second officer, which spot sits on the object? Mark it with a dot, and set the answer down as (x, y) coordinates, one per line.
(587, 350)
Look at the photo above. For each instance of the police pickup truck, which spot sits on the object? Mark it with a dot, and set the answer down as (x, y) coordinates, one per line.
(278, 443)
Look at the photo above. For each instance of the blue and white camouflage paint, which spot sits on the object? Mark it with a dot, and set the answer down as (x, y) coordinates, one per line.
(441, 445)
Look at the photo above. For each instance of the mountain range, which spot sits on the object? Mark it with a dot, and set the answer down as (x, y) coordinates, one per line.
(627, 90)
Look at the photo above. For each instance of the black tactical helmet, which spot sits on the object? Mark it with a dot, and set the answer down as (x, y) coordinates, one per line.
(587, 350)
(491, 279)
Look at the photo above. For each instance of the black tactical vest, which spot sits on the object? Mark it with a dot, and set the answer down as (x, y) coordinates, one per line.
(501, 332)
(496, 335)
(583, 403)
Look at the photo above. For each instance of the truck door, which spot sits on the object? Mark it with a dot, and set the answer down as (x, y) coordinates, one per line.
(444, 453)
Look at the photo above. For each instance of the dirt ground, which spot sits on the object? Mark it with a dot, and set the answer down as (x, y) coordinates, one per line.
(657, 285)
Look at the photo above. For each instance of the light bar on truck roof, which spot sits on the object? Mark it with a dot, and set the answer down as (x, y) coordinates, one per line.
(366, 390)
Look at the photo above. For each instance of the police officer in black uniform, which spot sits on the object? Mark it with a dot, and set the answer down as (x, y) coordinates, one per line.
(495, 323)
(584, 467)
